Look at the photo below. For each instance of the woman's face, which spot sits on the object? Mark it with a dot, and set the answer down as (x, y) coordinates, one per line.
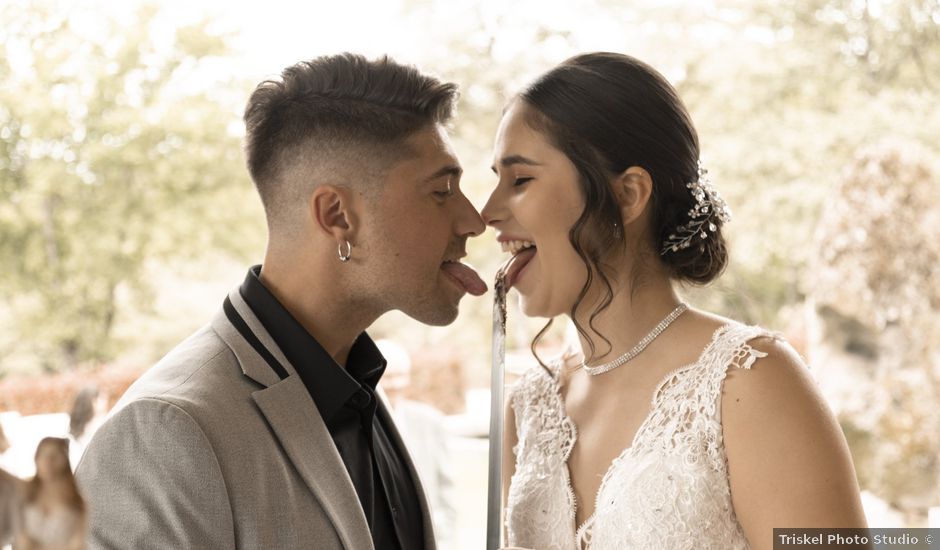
(537, 200)
(51, 460)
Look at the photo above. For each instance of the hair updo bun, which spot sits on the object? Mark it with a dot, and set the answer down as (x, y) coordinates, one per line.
(702, 262)
(695, 249)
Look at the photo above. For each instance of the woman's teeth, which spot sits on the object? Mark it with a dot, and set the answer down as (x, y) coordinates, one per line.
(514, 247)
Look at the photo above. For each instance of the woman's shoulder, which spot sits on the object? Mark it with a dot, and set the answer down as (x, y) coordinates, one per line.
(775, 368)
(765, 375)
(782, 439)
(723, 342)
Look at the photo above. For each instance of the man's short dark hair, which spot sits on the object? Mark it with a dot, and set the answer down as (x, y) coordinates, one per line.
(341, 116)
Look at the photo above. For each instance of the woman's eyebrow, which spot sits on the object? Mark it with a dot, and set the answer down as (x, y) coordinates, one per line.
(511, 160)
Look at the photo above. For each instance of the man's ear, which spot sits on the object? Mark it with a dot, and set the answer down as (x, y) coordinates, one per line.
(632, 189)
(333, 211)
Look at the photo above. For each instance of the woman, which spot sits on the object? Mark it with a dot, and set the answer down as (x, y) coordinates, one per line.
(53, 515)
(11, 494)
(675, 427)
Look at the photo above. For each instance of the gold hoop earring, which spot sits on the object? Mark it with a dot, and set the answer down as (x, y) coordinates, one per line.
(344, 257)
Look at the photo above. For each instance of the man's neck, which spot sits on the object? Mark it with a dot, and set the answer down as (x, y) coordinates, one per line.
(315, 301)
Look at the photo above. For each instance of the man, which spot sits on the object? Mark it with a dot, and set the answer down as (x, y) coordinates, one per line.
(262, 430)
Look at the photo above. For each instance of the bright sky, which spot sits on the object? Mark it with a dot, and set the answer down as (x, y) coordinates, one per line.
(268, 35)
(275, 33)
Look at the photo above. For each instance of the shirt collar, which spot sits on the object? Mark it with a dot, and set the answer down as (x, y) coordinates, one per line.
(329, 384)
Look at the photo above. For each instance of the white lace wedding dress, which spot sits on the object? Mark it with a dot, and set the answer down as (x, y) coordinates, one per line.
(668, 490)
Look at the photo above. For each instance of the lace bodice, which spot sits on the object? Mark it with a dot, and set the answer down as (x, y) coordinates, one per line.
(669, 489)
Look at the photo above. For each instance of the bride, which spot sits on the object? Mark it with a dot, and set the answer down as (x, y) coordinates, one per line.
(674, 427)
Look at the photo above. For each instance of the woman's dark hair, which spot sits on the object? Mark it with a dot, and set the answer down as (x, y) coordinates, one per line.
(608, 112)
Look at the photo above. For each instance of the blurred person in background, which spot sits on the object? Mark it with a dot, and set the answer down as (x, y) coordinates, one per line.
(425, 434)
(671, 427)
(4, 444)
(88, 411)
(53, 515)
(83, 410)
(262, 430)
(11, 498)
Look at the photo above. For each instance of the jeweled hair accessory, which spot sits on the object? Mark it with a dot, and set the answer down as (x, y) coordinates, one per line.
(709, 207)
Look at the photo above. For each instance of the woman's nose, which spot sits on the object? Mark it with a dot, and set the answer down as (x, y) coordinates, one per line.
(494, 211)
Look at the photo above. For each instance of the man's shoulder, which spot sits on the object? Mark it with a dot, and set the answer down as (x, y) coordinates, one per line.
(196, 389)
(196, 370)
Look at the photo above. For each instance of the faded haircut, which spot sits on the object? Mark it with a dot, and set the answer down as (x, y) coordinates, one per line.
(340, 119)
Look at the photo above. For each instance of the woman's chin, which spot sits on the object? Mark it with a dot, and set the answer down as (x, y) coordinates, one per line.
(532, 307)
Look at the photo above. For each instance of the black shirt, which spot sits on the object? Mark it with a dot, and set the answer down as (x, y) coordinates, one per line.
(347, 403)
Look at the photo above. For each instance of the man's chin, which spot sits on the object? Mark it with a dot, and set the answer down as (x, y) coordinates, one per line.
(440, 316)
(440, 319)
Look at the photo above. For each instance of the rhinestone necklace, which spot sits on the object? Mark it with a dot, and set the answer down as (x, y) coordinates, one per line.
(641, 345)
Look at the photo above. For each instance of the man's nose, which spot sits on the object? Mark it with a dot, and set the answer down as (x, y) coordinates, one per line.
(470, 222)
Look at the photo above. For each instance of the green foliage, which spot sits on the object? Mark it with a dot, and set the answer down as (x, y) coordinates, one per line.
(781, 95)
(783, 101)
(785, 96)
(106, 163)
(111, 163)
(877, 255)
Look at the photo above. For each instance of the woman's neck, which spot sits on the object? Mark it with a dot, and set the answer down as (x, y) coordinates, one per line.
(633, 312)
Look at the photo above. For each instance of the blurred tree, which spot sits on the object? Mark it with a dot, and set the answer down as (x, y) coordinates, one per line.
(119, 150)
(784, 95)
(107, 162)
(869, 45)
(877, 297)
(780, 101)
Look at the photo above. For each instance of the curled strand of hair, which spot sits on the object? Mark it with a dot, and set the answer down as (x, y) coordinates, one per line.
(575, 237)
(535, 342)
(605, 303)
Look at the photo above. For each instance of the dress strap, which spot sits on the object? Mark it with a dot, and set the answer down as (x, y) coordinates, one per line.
(735, 350)
(732, 350)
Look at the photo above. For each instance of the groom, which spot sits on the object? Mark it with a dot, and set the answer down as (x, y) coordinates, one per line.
(262, 430)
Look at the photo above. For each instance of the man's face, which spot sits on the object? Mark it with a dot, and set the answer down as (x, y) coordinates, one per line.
(416, 230)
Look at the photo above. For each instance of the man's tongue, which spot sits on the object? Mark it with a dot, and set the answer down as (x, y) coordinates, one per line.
(466, 276)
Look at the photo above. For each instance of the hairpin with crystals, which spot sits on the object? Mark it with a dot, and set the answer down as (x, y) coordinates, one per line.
(709, 206)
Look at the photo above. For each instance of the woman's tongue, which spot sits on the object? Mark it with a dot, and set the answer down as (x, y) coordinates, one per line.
(518, 262)
(466, 277)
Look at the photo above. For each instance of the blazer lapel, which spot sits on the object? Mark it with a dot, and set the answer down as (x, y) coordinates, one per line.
(292, 415)
(295, 421)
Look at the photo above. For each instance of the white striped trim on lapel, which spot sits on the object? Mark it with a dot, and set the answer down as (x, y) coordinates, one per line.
(295, 422)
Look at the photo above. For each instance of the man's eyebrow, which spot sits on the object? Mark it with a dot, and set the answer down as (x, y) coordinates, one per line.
(452, 170)
(506, 162)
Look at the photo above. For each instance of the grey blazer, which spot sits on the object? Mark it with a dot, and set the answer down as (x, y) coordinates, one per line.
(215, 448)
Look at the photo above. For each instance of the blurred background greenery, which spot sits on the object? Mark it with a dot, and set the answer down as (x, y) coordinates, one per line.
(126, 212)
